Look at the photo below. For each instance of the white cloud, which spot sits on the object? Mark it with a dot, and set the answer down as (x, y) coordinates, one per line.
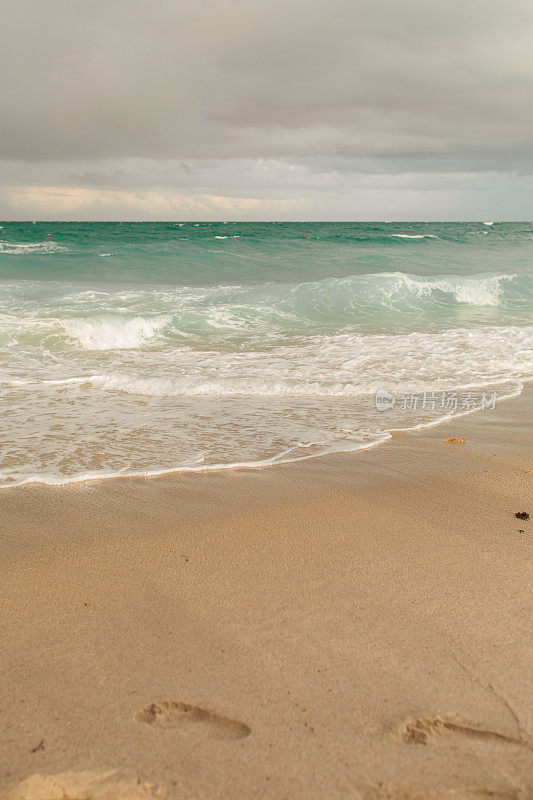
(353, 196)
(79, 202)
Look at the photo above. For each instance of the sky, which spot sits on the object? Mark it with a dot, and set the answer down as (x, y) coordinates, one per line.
(286, 109)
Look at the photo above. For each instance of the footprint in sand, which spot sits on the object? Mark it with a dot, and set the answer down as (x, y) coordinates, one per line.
(88, 785)
(170, 714)
(419, 730)
(388, 793)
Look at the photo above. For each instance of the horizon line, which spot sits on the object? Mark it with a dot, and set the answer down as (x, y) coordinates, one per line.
(271, 221)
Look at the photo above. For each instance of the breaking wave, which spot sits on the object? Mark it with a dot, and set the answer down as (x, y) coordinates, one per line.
(112, 334)
(29, 248)
(413, 236)
(133, 319)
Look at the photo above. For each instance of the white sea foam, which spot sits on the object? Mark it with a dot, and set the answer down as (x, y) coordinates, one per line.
(28, 248)
(475, 290)
(414, 236)
(341, 365)
(113, 333)
(290, 455)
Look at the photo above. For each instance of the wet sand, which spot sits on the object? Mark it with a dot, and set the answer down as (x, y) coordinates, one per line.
(357, 626)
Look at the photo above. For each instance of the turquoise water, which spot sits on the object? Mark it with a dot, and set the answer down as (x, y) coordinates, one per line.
(138, 348)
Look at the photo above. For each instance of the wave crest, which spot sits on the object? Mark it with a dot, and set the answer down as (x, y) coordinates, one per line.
(113, 333)
(133, 318)
(30, 248)
(413, 236)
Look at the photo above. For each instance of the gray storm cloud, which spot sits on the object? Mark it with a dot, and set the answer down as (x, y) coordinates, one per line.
(284, 99)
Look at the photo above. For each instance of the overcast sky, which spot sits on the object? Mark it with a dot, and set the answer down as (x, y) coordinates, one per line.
(285, 109)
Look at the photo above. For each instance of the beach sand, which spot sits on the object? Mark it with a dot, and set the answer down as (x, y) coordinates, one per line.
(356, 626)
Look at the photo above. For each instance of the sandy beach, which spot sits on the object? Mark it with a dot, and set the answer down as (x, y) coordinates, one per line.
(356, 626)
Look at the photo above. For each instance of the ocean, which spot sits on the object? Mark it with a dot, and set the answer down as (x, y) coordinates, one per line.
(144, 348)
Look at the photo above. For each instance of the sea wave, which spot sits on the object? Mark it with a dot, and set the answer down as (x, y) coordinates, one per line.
(31, 248)
(482, 290)
(339, 365)
(398, 290)
(112, 333)
(413, 236)
(133, 318)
